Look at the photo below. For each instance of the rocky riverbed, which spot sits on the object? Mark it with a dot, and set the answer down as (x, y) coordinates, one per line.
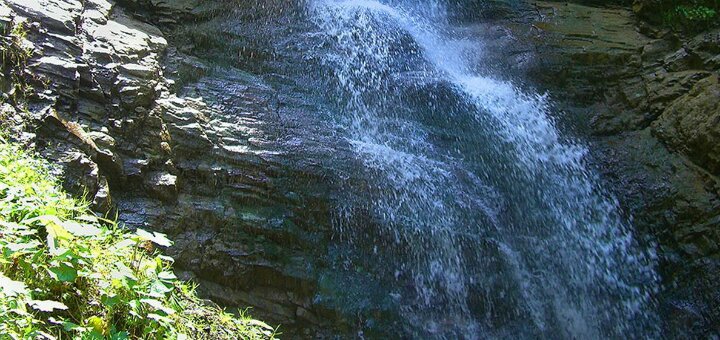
(179, 117)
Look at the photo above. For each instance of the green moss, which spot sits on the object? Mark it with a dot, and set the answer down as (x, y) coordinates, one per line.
(66, 273)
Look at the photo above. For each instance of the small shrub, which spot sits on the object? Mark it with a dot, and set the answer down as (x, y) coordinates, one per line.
(691, 18)
(680, 15)
(66, 273)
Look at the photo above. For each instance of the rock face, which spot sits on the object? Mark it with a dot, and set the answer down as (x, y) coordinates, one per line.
(204, 171)
(650, 98)
(580, 46)
(85, 60)
(150, 111)
(691, 124)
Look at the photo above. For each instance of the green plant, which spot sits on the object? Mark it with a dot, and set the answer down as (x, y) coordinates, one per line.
(67, 273)
(14, 57)
(681, 15)
(690, 17)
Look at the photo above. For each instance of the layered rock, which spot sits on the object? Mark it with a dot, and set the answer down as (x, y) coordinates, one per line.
(201, 158)
(206, 171)
(691, 124)
(579, 47)
(649, 96)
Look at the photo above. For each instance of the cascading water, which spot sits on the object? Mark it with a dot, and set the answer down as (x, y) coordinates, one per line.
(482, 218)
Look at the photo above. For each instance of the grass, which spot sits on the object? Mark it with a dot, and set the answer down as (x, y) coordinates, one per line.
(66, 273)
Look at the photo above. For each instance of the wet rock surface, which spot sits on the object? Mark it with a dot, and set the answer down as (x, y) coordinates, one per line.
(648, 97)
(690, 124)
(580, 47)
(200, 159)
(152, 110)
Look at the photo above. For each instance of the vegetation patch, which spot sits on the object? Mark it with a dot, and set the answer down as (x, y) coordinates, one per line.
(691, 17)
(14, 57)
(67, 273)
(681, 15)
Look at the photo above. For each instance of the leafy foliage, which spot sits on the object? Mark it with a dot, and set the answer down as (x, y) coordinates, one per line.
(692, 18)
(66, 273)
(681, 15)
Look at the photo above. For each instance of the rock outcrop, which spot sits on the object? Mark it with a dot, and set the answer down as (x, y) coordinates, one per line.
(691, 124)
(197, 161)
(650, 99)
(579, 47)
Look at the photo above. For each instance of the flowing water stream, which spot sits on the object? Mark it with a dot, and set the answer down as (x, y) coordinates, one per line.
(459, 207)
(481, 216)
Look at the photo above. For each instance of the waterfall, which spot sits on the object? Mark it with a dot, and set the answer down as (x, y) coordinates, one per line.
(481, 214)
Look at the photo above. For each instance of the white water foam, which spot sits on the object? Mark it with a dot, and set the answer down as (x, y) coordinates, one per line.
(573, 263)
